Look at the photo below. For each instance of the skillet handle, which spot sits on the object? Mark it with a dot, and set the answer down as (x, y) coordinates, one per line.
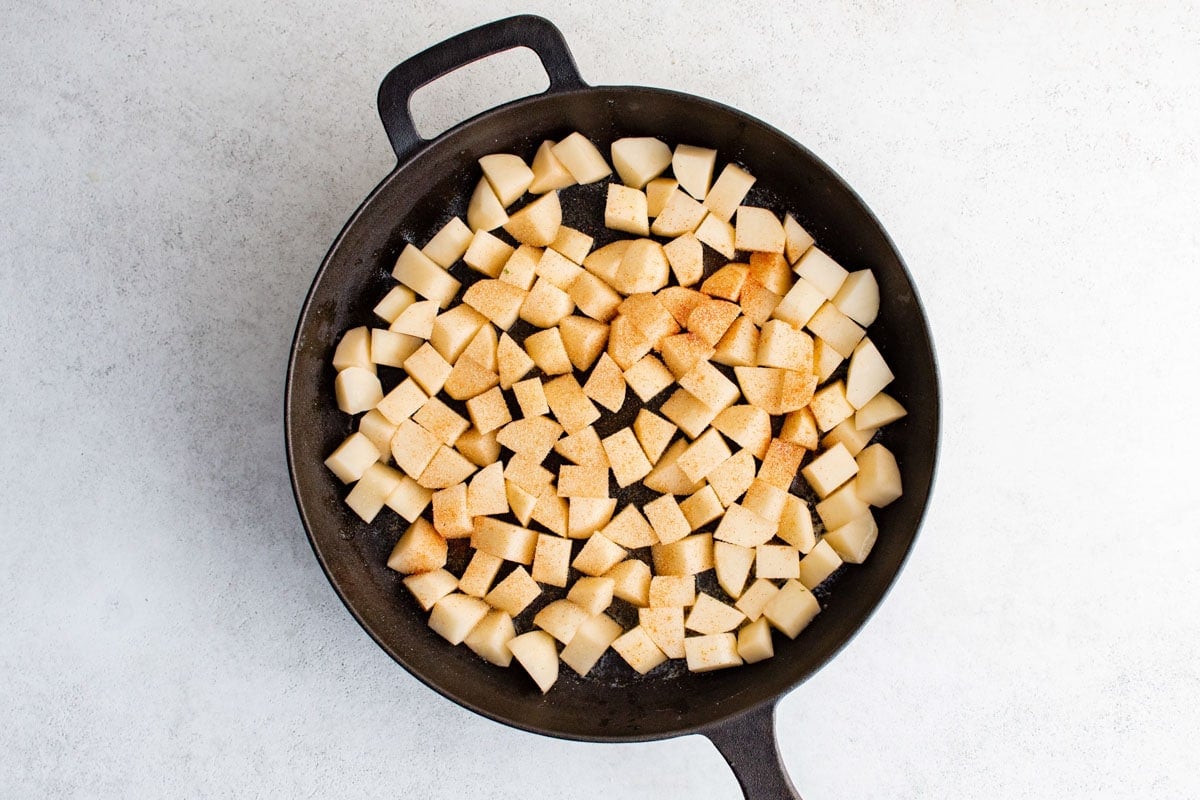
(524, 30)
(748, 743)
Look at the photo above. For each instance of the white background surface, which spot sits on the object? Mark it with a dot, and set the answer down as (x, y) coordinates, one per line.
(172, 174)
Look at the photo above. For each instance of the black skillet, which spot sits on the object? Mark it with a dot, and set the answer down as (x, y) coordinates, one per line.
(733, 708)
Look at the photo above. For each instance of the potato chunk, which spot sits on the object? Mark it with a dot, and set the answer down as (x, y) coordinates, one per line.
(640, 159)
(625, 210)
(878, 481)
(455, 615)
(590, 643)
(715, 651)
(537, 223)
(581, 158)
(535, 651)
(420, 549)
(639, 650)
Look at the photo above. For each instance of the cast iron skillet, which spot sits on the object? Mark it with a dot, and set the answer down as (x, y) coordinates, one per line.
(734, 708)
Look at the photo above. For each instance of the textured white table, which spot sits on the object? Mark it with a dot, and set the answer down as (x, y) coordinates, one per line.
(173, 173)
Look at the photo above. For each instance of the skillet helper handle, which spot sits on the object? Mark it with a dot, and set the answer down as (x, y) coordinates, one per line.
(748, 743)
(524, 30)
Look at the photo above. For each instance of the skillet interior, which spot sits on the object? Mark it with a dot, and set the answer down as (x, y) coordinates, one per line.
(612, 703)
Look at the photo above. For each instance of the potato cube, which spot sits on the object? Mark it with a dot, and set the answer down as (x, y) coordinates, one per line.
(450, 516)
(418, 272)
(504, 540)
(704, 455)
(777, 561)
(419, 549)
(691, 555)
(709, 616)
(765, 499)
(708, 653)
(583, 448)
(821, 562)
(683, 351)
(836, 329)
(757, 301)
(791, 609)
(583, 339)
(548, 172)
(477, 578)
(781, 463)
(759, 229)
(520, 270)
(572, 244)
(490, 637)
(449, 244)
(717, 234)
(726, 283)
(639, 650)
(680, 215)
(711, 318)
(653, 433)
(537, 223)
(748, 426)
(830, 470)
(657, 192)
(825, 274)
(390, 349)
(409, 499)
(590, 643)
(606, 385)
(395, 301)
(667, 477)
(561, 619)
(586, 515)
(667, 519)
(858, 297)
(570, 406)
(743, 527)
(728, 192)
(413, 447)
(881, 410)
(487, 254)
(709, 385)
(469, 379)
(598, 556)
(733, 564)
(755, 598)
(367, 497)
(548, 352)
(754, 642)
(649, 316)
(352, 457)
(841, 507)
(535, 651)
(643, 268)
(379, 431)
(739, 346)
(581, 158)
(592, 594)
(628, 460)
(545, 305)
(499, 301)
(357, 390)
(454, 330)
(441, 420)
(521, 501)
(848, 436)
(558, 269)
(701, 508)
(481, 449)
(604, 262)
(692, 416)
(513, 362)
(798, 239)
(772, 271)
(685, 254)
(447, 468)
(631, 582)
(485, 494)
(428, 369)
(429, 587)
(867, 375)
(796, 525)
(531, 398)
(508, 176)
(552, 560)
(489, 410)
(672, 590)
(664, 626)
(638, 160)
(800, 427)
(731, 479)
(647, 378)
(854, 540)
(630, 529)
(781, 345)
(799, 304)
(576, 481)
(776, 391)
(625, 210)
(693, 168)
(455, 615)
(485, 212)
(878, 481)
(825, 360)
(354, 350)
(627, 343)
(594, 297)
(550, 510)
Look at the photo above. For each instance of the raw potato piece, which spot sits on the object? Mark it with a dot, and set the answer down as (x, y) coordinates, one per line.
(455, 615)
(798, 239)
(748, 426)
(409, 499)
(709, 385)
(685, 254)
(420, 273)
(800, 427)
(548, 352)
(647, 378)
(606, 385)
(441, 420)
(630, 529)
(739, 346)
(639, 650)
(728, 192)
(428, 369)
(628, 460)
(830, 470)
(521, 268)
(594, 297)
(867, 375)
(858, 298)
(830, 406)
(631, 582)
(665, 628)
(657, 192)
(680, 216)
(799, 304)
(755, 599)
(849, 436)
(503, 540)
(583, 448)
(531, 398)
(548, 172)
(704, 455)
(854, 540)
(743, 527)
(643, 268)
(702, 508)
(791, 609)
(390, 349)
(594, 595)
(707, 653)
(758, 229)
(489, 411)
(468, 379)
(754, 642)
(481, 449)
(420, 549)
(558, 269)
(709, 615)
(485, 212)
(513, 362)
(561, 619)
(589, 643)
(450, 517)
(352, 457)
(693, 168)
(677, 591)
(692, 416)
(537, 223)
(490, 637)
(625, 210)
(711, 318)
(653, 434)
(781, 463)
(379, 431)
(417, 319)
(550, 510)
(881, 410)
(682, 352)
(521, 501)
(354, 350)
(841, 507)
(447, 468)
(449, 243)
(583, 482)
(508, 176)
(571, 407)
(581, 158)
(429, 587)
(477, 578)
(572, 244)
(777, 561)
(396, 300)
(514, 594)
(357, 390)
(878, 481)
(497, 300)
(733, 563)
(545, 305)
(552, 560)
(772, 271)
(690, 555)
(667, 519)
(487, 254)
(717, 234)
(638, 160)
(781, 345)
(821, 562)
(825, 274)
(795, 524)
(413, 448)
(485, 494)
(535, 651)
(836, 329)
(583, 339)
(598, 556)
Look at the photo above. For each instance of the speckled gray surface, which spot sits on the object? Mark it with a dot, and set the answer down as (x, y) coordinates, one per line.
(172, 175)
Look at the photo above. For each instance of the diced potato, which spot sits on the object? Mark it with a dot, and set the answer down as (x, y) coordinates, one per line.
(631, 582)
(504, 540)
(758, 229)
(653, 434)
(485, 212)
(711, 318)
(680, 215)
(683, 409)
(409, 499)
(508, 175)
(379, 431)
(858, 297)
(825, 274)
(638, 160)
(521, 268)
(586, 515)
(545, 305)
(535, 651)
(583, 448)
(577, 481)
(672, 590)
(830, 470)
(583, 339)
(777, 561)
(395, 301)
(649, 316)
(667, 519)
(728, 192)
(581, 158)
(685, 254)
(755, 598)
(418, 272)
(690, 555)
(830, 406)
(839, 331)
(667, 477)
(531, 398)
(527, 472)
(468, 379)
(743, 527)
(791, 609)
(367, 497)
(841, 507)
(754, 642)
(800, 427)
(572, 244)
(604, 261)
(441, 420)
(757, 301)
(552, 560)
(606, 385)
(449, 244)
(490, 637)
(419, 549)
(643, 268)
(825, 359)
(550, 510)
(867, 375)
(781, 463)
(450, 517)
(733, 564)
(533, 437)
(486, 495)
(352, 457)
(821, 562)
(748, 426)
(796, 525)
(592, 594)
(489, 410)
(776, 391)
(708, 653)
(558, 269)
(772, 271)
(702, 508)
(717, 234)
(428, 369)
(709, 616)
(497, 300)
(598, 556)
(628, 460)
(357, 390)
(625, 210)
(520, 500)
(455, 615)
(481, 449)
(878, 481)
(413, 447)
(765, 499)
(738, 347)
(487, 254)
(639, 650)
(657, 193)
(561, 619)
(683, 351)
(710, 386)
(849, 436)
(664, 626)
(693, 168)
(630, 529)
(799, 304)
(514, 594)
(732, 477)
(390, 349)
(570, 406)
(548, 352)
(548, 172)
(537, 223)
(454, 330)
(882, 410)
(594, 297)
(354, 350)
(854, 540)
(477, 578)
(590, 643)
(798, 239)
(429, 587)
(447, 468)
(627, 343)
(781, 345)
(647, 378)
(513, 362)
(703, 456)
